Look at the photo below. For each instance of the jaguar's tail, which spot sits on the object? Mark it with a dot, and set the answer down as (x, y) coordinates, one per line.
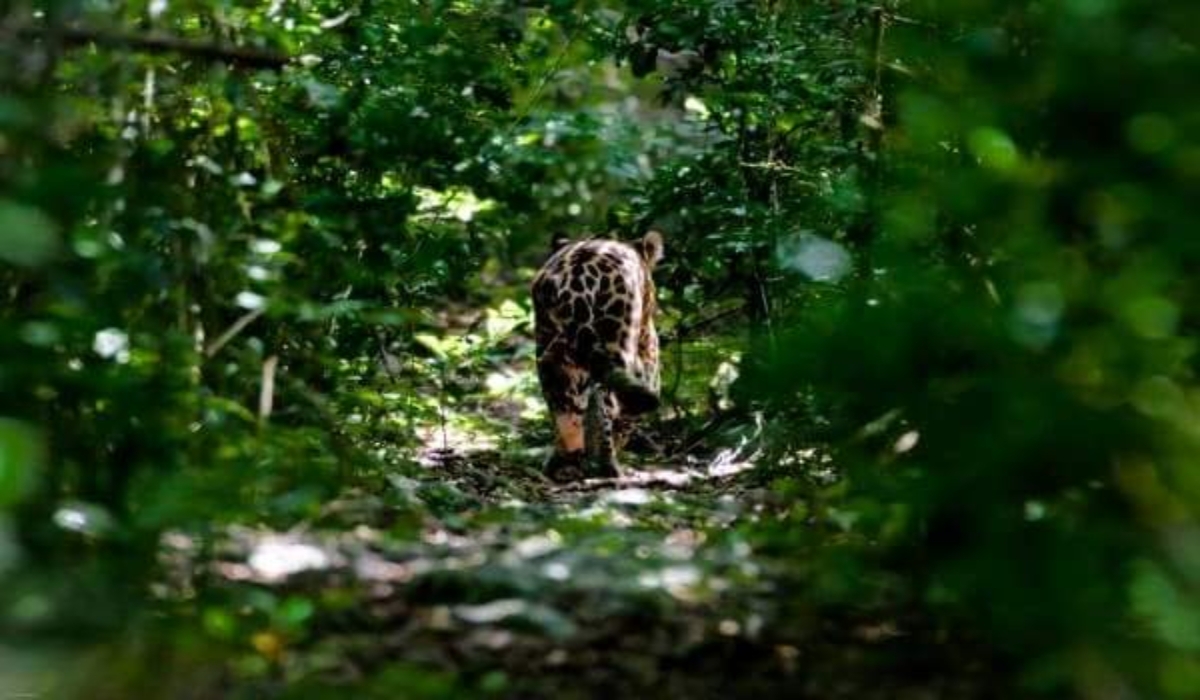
(616, 374)
(598, 433)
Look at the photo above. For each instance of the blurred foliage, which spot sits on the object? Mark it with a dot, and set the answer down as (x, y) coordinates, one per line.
(1010, 384)
(931, 267)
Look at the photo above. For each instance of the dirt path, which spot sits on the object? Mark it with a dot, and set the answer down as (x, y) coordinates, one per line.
(464, 572)
(501, 583)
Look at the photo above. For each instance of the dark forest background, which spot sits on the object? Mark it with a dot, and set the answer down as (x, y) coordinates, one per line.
(268, 425)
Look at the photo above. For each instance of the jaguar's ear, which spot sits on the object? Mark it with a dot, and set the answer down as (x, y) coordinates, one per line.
(651, 247)
(558, 240)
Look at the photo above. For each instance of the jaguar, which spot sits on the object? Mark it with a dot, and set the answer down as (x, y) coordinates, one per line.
(594, 304)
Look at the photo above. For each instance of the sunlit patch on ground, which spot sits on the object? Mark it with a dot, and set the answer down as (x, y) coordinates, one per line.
(474, 385)
(437, 441)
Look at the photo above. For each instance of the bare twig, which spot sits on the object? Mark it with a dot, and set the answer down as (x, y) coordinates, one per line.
(158, 42)
(266, 397)
(684, 330)
(774, 167)
(536, 96)
(231, 332)
(694, 438)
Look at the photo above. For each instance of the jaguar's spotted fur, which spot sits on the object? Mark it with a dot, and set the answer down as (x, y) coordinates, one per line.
(594, 303)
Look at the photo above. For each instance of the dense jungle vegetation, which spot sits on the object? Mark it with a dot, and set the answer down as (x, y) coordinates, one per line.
(270, 426)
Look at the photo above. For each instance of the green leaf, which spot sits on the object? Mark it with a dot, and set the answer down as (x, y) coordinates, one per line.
(28, 237)
(22, 456)
(295, 611)
(1174, 617)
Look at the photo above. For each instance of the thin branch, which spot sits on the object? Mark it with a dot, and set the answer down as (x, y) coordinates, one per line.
(901, 19)
(682, 331)
(694, 438)
(158, 42)
(541, 86)
(775, 166)
(266, 397)
(238, 326)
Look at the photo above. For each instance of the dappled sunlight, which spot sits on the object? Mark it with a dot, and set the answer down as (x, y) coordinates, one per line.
(84, 518)
(439, 440)
(457, 203)
(678, 580)
(276, 559)
(626, 540)
(273, 557)
(627, 497)
(476, 385)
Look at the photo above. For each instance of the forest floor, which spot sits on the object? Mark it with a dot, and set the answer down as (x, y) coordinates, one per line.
(621, 586)
(467, 573)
